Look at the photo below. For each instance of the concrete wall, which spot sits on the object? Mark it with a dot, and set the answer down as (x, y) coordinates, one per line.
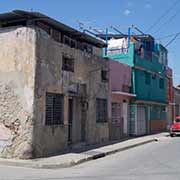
(151, 91)
(155, 118)
(120, 77)
(17, 73)
(51, 78)
(151, 65)
(127, 58)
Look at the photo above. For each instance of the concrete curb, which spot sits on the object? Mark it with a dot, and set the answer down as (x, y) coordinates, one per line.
(38, 165)
(99, 155)
(131, 146)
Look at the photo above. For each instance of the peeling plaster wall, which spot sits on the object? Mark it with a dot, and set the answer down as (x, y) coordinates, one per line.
(51, 78)
(17, 73)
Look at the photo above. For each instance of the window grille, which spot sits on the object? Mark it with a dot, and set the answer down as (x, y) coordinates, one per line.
(54, 109)
(67, 63)
(101, 110)
(104, 75)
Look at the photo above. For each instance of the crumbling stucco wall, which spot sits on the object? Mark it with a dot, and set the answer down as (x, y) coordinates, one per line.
(51, 78)
(17, 72)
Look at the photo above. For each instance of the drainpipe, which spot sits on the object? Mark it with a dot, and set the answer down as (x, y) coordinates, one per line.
(106, 49)
(133, 81)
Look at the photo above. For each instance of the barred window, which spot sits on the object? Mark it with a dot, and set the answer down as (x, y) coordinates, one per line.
(67, 63)
(87, 48)
(104, 75)
(101, 110)
(54, 109)
(67, 40)
(56, 35)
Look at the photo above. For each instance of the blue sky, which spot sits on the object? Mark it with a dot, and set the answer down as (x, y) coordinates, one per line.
(103, 13)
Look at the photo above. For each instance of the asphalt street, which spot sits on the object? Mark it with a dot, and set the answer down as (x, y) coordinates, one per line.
(154, 161)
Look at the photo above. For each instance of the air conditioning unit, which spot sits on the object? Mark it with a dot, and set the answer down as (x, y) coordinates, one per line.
(78, 89)
(73, 88)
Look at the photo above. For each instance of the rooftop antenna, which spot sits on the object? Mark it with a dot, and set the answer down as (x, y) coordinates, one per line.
(137, 29)
(82, 25)
(99, 31)
(117, 30)
(122, 27)
(91, 30)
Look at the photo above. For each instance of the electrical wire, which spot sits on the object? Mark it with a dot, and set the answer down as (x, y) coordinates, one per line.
(172, 40)
(167, 22)
(166, 37)
(163, 15)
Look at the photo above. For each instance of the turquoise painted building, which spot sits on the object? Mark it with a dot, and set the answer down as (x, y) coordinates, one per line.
(149, 63)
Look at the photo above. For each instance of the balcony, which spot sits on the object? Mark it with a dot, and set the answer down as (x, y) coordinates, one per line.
(149, 61)
(125, 56)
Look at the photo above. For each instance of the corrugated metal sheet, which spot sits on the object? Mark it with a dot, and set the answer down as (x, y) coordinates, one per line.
(20, 15)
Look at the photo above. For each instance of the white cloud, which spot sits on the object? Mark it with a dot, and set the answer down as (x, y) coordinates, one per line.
(148, 6)
(127, 12)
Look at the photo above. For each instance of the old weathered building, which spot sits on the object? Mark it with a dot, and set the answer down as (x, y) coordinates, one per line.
(53, 87)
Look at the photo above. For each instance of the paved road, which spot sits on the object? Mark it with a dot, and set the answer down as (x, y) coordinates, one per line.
(154, 161)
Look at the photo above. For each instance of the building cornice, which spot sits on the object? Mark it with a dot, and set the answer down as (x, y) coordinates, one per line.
(123, 93)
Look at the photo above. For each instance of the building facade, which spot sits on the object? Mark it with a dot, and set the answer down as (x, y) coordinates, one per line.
(149, 80)
(120, 96)
(170, 98)
(54, 87)
(177, 100)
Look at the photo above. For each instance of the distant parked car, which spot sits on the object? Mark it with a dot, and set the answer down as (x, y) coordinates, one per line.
(175, 127)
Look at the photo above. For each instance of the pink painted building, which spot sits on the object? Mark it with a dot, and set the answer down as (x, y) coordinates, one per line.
(120, 96)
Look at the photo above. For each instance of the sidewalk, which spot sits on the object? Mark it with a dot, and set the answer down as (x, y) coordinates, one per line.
(70, 159)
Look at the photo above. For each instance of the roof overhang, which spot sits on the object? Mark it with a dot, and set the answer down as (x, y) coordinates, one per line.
(173, 104)
(19, 15)
(150, 102)
(123, 93)
(119, 36)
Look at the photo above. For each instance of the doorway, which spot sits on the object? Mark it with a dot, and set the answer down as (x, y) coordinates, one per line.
(141, 120)
(125, 117)
(70, 119)
(83, 125)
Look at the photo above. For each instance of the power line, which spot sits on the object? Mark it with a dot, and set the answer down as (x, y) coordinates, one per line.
(169, 20)
(163, 15)
(167, 36)
(172, 40)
